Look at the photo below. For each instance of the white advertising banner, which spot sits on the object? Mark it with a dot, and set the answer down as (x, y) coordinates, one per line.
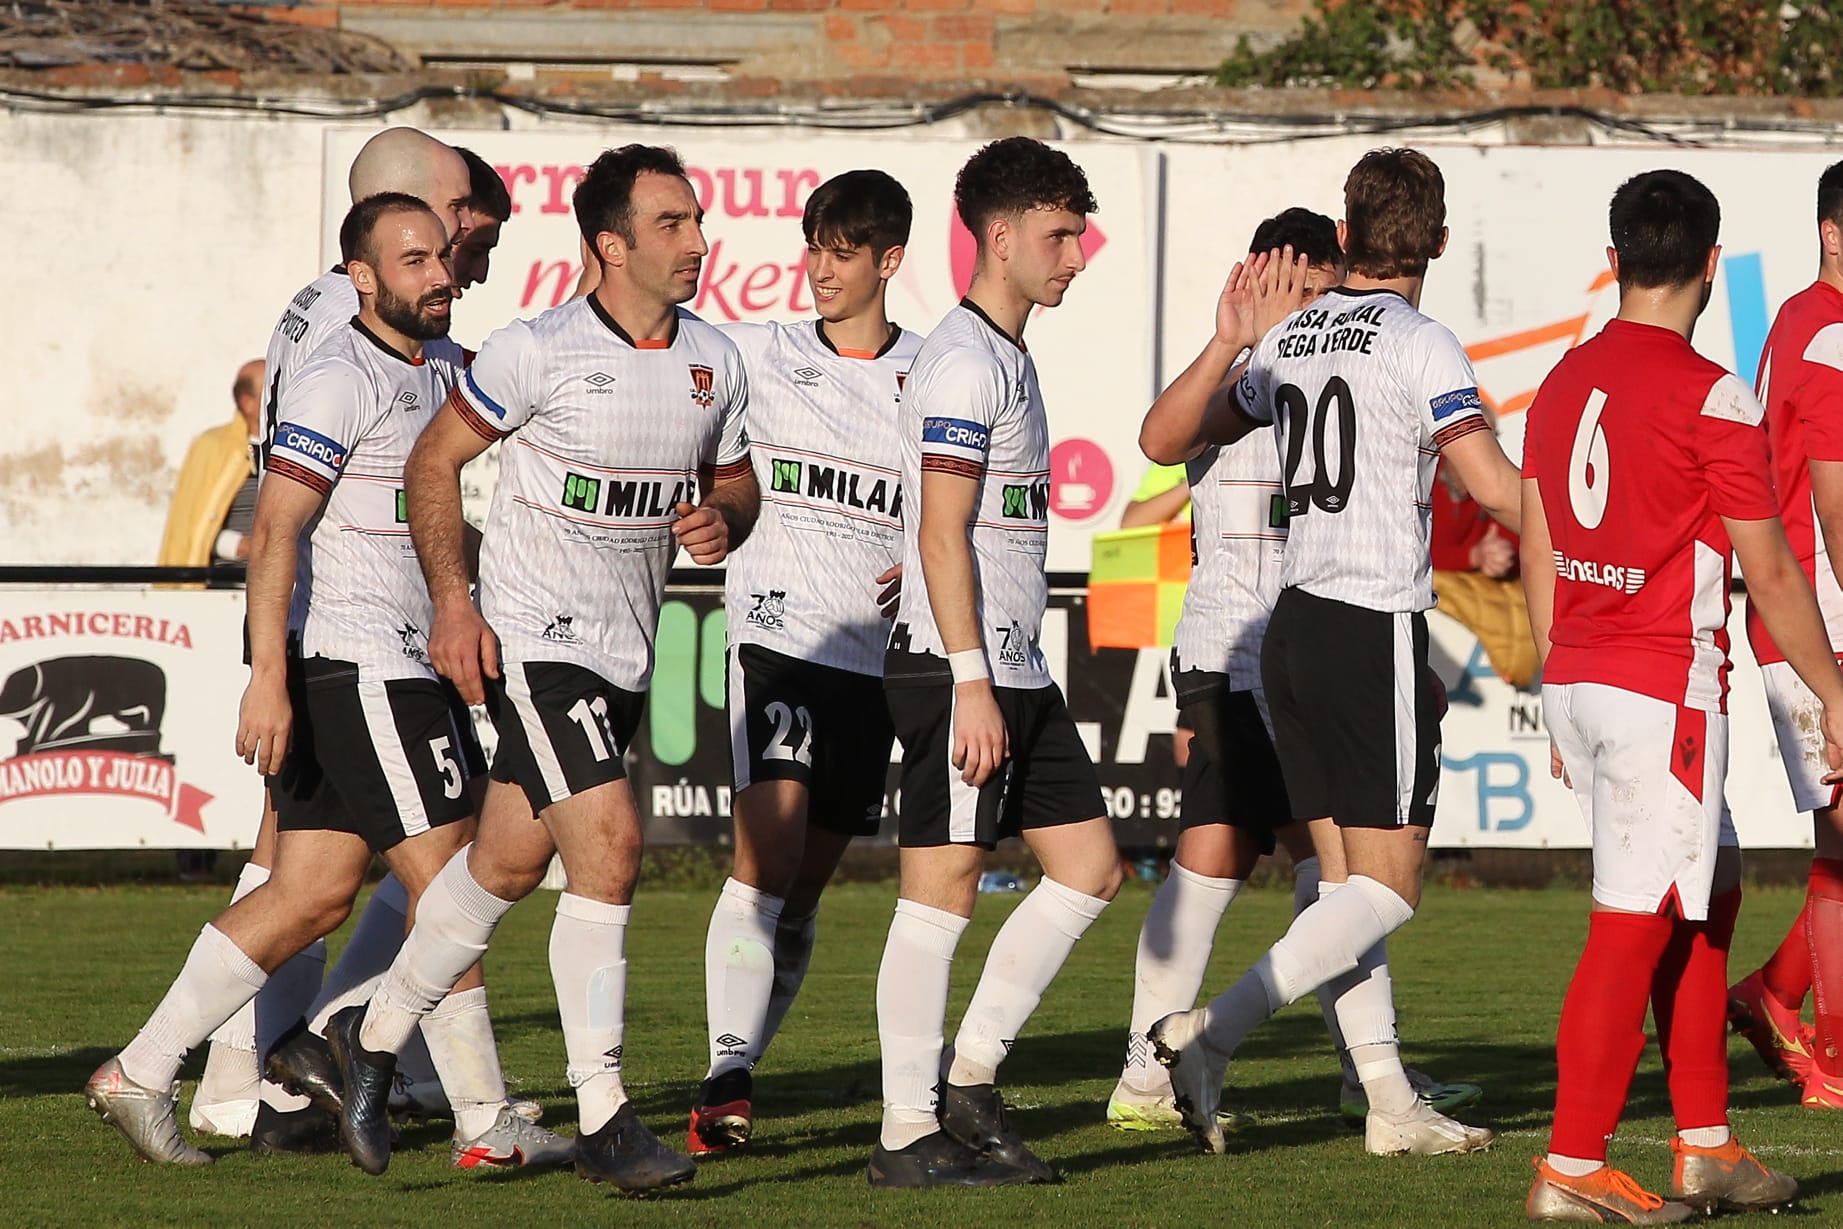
(118, 716)
(1495, 787)
(1094, 352)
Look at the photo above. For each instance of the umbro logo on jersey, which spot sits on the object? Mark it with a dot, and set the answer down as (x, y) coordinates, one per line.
(807, 377)
(406, 401)
(598, 380)
(703, 385)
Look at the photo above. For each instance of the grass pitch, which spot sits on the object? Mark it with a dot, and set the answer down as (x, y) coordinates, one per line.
(1479, 977)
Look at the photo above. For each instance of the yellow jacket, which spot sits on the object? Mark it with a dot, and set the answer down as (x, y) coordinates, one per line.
(215, 466)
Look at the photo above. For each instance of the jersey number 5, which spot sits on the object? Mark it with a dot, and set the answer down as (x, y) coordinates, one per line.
(1318, 489)
(1588, 468)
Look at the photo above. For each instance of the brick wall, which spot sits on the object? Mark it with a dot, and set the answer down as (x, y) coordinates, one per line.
(1030, 42)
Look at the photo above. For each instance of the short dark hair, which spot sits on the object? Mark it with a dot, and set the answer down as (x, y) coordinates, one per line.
(357, 232)
(488, 193)
(1311, 235)
(604, 198)
(1013, 176)
(1830, 194)
(1394, 213)
(861, 209)
(1663, 225)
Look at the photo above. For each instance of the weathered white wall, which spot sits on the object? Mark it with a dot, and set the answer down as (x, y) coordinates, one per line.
(151, 255)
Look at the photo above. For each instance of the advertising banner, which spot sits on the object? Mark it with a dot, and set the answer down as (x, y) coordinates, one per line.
(1094, 353)
(118, 718)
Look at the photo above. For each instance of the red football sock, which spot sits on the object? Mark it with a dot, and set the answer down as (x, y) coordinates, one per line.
(1824, 935)
(1787, 972)
(1602, 1029)
(1689, 994)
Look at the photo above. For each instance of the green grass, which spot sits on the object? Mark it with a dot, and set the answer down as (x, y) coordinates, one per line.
(1478, 977)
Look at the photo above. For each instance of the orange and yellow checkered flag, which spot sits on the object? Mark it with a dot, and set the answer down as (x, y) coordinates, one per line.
(1136, 585)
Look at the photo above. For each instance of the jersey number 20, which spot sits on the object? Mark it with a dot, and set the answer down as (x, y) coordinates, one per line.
(1317, 488)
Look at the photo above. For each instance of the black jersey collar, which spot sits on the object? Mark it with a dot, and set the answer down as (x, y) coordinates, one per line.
(889, 343)
(1366, 292)
(601, 314)
(383, 345)
(973, 307)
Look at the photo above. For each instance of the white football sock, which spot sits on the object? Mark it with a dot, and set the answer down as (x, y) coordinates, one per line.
(793, 952)
(454, 921)
(1174, 949)
(1325, 940)
(279, 1006)
(1707, 1137)
(1359, 1011)
(1573, 1166)
(215, 981)
(738, 974)
(1308, 886)
(460, 1036)
(376, 940)
(232, 1072)
(588, 964)
(912, 1017)
(1026, 956)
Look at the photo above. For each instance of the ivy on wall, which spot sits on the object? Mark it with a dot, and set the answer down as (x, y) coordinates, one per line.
(1708, 47)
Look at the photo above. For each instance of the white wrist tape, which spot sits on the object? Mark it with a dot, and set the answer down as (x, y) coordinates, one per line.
(968, 665)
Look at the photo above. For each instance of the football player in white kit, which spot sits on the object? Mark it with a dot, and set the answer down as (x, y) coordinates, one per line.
(1367, 394)
(616, 409)
(228, 1101)
(1235, 802)
(364, 748)
(988, 747)
(806, 599)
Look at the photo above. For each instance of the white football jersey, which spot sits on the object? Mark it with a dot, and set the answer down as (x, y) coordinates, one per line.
(972, 406)
(1238, 545)
(611, 436)
(1363, 390)
(347, 421)
(320, 310)
(822, 436)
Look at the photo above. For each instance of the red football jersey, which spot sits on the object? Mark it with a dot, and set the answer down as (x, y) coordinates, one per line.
(1801, 385)
(1640, 446)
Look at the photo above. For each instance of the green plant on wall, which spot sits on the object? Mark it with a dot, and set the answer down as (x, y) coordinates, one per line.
(1712, 47)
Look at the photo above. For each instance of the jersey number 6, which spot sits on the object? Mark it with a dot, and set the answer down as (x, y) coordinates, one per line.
(1588, 468)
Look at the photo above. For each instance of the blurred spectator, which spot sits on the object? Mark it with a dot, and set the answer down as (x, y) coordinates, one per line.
(1475, 578)
(1163, 495)
(491, 205)
(214, 501)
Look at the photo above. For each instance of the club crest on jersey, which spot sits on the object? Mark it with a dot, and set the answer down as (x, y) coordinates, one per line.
(770, 610)
(902, 378)
(703, 386)
(1013, 645)
(411, 635)
(562, 630)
